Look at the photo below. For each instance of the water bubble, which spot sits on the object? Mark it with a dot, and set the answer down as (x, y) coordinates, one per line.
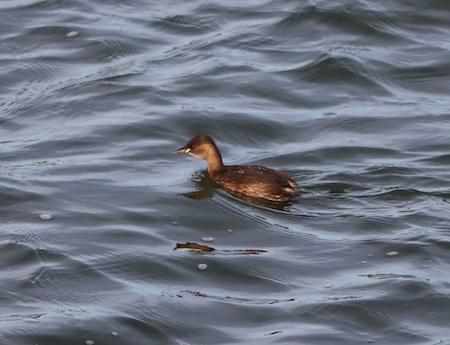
(202, 267)
(328, 286)
(207, 239)
(364, 262)
(114, 334)
(89, 342)
(72, 34)
(46, 216)
(229, 230)
(392, 253)
(174, 222)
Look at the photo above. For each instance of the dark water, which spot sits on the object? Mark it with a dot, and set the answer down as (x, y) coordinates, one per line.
(351, 98)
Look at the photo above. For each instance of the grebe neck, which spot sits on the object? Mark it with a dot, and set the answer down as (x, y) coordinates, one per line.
(215, 164)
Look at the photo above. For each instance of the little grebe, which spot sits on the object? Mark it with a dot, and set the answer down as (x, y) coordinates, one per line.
(252, 181)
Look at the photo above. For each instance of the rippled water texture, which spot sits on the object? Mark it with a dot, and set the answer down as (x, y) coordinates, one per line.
(107, 237)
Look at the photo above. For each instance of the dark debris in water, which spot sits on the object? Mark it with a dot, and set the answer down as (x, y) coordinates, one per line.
(195, 247)
(239, 299)
(388, 276)
(16, 317)
(204, 249)
(343, 298)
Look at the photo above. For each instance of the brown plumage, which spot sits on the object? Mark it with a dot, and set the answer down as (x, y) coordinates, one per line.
(249, 181)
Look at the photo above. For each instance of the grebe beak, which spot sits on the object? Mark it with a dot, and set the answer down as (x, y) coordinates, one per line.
(183, 150)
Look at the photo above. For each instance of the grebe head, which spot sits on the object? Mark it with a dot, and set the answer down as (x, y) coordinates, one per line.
(201, 146)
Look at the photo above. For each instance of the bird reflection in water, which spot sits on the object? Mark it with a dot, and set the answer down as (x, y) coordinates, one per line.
(206, 185)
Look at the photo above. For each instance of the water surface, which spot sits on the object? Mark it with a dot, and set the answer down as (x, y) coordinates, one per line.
(351, 99)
